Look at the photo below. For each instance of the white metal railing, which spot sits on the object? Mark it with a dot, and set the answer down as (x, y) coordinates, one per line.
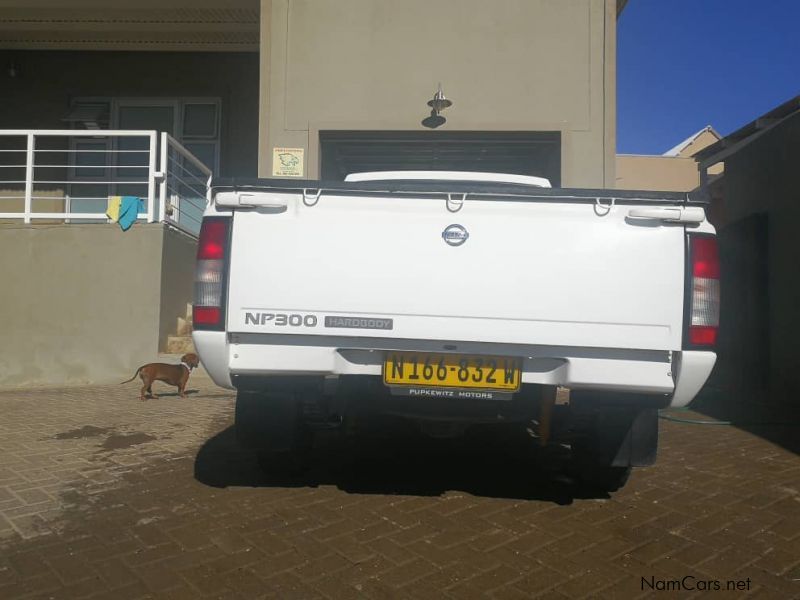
(68, 176)
(184, 185)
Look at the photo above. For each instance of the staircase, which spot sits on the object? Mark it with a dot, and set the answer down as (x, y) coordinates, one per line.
(181, 342)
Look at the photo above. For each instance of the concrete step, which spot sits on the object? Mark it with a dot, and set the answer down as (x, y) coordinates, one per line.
(184, 327)
(180, 344)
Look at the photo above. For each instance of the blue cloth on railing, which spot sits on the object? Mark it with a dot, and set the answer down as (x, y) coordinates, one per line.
(129, 210)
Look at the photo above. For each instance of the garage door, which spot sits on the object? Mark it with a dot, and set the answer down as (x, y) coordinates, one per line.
(521, 153)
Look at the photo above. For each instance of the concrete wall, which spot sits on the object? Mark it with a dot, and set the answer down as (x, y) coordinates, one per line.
(45, 201)
(39, 96)
(704, 140)
(177, 281)
(519, 65)
(659, 173)
(82, 303)
(763, 179)
(665, 172)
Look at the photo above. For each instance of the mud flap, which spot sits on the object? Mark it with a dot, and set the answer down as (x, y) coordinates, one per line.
(622, 437)
(629, 442)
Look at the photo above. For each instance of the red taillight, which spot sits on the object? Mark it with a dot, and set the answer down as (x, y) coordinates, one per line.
(705, 291)
(206, 315)
(700, 335)
(213, 239)
(209, 276)
(705, 257)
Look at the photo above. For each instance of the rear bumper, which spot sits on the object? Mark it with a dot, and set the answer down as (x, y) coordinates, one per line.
(692, 369)
(626, 371)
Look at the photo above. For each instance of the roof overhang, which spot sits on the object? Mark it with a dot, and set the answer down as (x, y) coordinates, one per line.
(174, 25)
(621, 6)
(743, 136)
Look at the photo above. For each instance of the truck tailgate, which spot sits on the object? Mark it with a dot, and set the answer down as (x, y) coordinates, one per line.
(543, 272)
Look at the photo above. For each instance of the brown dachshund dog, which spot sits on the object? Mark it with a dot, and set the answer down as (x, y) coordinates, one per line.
(177, 375)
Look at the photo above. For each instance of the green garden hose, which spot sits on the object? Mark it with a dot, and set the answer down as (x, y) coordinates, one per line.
(662, 414)
(666, 417)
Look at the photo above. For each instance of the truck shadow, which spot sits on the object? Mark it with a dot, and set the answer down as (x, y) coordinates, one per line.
(775, 418)
(406, 465)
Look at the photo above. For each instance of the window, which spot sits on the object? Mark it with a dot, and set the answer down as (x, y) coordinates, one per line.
(200, 131)
(200, 120)
(195, 122)
(101, 166)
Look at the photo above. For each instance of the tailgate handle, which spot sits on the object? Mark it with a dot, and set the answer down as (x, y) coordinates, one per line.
(683, 214)
(271, 202)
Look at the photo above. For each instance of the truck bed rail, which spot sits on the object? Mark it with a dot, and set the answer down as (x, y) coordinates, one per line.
(505, 191)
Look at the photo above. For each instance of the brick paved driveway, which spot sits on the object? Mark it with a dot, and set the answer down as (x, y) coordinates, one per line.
(104, 496)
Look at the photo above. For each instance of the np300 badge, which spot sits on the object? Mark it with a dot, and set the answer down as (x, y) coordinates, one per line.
(455, 235)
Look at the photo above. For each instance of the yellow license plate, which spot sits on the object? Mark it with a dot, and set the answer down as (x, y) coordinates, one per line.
(452, 371)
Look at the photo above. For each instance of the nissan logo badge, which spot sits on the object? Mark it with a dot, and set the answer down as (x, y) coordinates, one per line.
(455, 235)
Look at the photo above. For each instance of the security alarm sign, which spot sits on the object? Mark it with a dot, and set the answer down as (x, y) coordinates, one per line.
(287, 162)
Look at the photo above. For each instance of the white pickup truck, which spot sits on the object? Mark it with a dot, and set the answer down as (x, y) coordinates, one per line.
(454, 299)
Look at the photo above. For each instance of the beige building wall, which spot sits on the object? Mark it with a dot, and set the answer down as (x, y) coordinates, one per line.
(517, 65)
(87, 303)
(703, 140)
(660, 173)
(674, 171)
(12, 201)
(706, 137)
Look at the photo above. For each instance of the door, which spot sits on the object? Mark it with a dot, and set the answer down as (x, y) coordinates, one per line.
(520, 153)
(140, 114)
(744, 343)
(104, 166)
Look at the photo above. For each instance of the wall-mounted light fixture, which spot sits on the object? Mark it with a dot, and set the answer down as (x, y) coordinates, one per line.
(438, 103)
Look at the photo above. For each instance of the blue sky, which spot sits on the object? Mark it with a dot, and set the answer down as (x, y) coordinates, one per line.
(685, 64)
